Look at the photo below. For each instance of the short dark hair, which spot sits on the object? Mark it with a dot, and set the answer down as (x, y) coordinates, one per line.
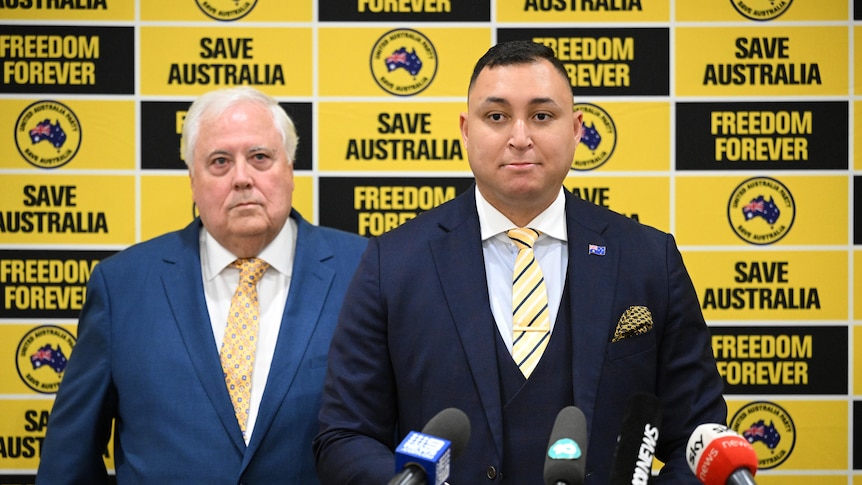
(516, 52)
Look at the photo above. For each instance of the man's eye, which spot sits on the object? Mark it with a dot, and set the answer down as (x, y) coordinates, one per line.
(496, 116)
(542, 116)
(219, 161)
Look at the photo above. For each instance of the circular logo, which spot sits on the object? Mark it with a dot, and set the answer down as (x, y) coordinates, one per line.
(41, 357)
(769, 429)
(48, 134)
(598, 138)
(403, 62)
(761, 210)
(761, 10)
(226, 10)
(565, 449)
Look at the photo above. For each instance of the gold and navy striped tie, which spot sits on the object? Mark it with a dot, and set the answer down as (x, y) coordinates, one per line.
(531, 324)
(240, 336)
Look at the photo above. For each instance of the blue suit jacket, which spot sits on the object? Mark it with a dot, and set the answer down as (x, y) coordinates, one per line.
(416, 335)
(145, 355)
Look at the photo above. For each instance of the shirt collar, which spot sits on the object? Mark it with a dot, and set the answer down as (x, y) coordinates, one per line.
(278, 253)
(551, 221)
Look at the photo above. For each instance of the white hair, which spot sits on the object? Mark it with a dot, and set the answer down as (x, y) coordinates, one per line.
(213, 103)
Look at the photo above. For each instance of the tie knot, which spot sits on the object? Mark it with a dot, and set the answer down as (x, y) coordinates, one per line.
(250, 269)
(523, 237)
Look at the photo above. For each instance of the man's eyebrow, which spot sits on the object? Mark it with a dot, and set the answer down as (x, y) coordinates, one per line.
(218, 151)
(505, 102)
(495, 100)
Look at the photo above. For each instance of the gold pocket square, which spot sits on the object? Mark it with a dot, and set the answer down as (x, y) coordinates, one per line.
(635, 321)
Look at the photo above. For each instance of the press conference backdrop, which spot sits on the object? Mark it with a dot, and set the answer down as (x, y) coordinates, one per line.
(734, 124)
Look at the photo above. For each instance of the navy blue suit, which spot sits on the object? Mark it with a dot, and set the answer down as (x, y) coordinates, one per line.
(416, 335)
(145, 355)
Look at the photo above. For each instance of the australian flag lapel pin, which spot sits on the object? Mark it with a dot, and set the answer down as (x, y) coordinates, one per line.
(597, 250)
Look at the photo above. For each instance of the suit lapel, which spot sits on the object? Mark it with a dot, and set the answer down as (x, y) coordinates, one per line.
(591, 279)
(181, 277)
(461, 269)
(309, 287)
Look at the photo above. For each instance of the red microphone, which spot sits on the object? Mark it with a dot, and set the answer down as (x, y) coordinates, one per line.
(719, 456)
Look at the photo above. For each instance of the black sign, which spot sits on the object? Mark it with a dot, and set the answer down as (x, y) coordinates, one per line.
(857, 435)
(607, 62)
(372, 206)
(410, 11)
(161, 125)
(45, 284)
(782, 360)
(762, 136)
(62, 59)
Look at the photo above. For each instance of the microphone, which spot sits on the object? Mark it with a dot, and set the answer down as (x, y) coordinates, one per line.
(637, 441)
(565, 461)
(424, 458)
(719, 456)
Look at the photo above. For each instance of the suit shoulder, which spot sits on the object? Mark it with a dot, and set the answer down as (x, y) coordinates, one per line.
(434, 222)
(343, 242)
(341, 236)
(141, 254)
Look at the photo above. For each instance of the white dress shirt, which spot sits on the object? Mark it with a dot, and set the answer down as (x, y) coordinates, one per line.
(220, 282)
(551, 251)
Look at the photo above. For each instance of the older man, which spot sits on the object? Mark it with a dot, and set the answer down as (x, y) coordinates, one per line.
(206, 347)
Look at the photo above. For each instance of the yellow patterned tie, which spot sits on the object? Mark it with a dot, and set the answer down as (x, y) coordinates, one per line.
(240, 337)
(531, 324)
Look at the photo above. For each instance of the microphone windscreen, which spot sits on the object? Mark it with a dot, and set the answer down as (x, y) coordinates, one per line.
(453, 425)
(565, 461)
(714, 452)
(637, 440)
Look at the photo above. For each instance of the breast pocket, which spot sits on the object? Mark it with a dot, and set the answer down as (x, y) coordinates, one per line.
(637, 346)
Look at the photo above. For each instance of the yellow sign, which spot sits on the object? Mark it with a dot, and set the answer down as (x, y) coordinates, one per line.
(760, 10)
(634, 136)
(580, 11)
(27, 374)
(22, 431)
(74, 134)
(193, 60)
(705, 206)
(773, 285)
(102, 10)
(761, 61)
(391, 136)
(857, 61)
(166, 202)
(811, 435)
(764, 478)
(352, 61)
(56, 209)
(645, 199)
(857, 291)
(226, 11)
(41, 357)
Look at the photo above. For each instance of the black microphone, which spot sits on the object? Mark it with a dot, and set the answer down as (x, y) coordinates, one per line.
(717, 455)
(565, 461)
(424, 458)
(637, 441)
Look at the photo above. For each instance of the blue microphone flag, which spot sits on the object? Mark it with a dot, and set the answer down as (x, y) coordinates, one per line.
(430, 453)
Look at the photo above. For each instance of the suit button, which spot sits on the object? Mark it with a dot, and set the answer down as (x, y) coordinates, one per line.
(491, 472)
